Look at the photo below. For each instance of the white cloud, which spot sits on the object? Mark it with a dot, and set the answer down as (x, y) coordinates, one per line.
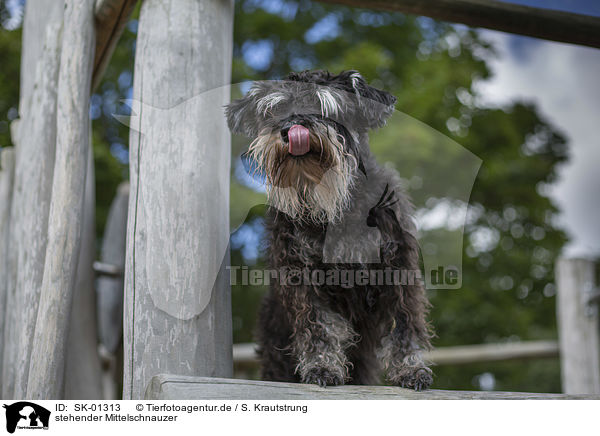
(564, 82)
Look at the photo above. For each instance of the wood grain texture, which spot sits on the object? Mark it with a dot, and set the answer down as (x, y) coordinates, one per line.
(171, 387)
(65, 221)
(32, 193)
(497, 15)
(83, 374)
(111, 18)
(7, 172)
(177, 316)
(578, 327)
(38, 15)
(35, 159)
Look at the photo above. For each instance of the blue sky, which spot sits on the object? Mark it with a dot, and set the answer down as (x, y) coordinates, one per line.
(588, 7)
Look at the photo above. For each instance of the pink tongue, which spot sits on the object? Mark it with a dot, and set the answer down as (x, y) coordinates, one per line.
(299, 140)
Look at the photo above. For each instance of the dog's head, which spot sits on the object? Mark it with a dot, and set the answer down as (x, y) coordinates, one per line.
(305, 132)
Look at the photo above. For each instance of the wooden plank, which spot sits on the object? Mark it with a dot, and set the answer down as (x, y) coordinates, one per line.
(111, 18)
(84, 381)
(172, 387)
(47, 366)
(578, 326)
(33, 190)
(497, 15)
(7, 172)
(177, 297)
(245, 354)
(109, 289)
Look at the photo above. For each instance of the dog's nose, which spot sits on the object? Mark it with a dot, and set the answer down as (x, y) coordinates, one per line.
(284, 133)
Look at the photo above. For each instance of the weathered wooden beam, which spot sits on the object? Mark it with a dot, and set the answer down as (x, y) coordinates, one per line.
(111, 18)
(245, 354)
(109, 287)
(83, 380)
(7, 172)
(29, 209)
(578, 326)
(506, 17)
(46, 371)
(35, 153)
(34, 136)
(177, 298)
(109, 293)
(171, 387)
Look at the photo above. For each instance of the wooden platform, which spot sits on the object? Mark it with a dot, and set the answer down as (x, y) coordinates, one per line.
(173, 387)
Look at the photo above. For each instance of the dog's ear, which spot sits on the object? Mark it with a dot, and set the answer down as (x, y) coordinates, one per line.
(240, 115)
(376, 105)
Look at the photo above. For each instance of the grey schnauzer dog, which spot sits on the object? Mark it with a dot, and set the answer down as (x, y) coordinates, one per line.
(310, 143)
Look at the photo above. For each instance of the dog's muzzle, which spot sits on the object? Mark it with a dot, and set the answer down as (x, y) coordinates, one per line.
(298, 140)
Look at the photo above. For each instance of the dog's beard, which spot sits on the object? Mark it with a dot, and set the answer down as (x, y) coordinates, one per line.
(312, 188)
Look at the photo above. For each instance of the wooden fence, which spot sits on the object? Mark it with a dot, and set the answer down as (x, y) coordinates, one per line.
(184, 48)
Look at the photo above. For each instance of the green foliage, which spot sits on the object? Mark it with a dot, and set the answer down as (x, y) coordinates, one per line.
(10, 53)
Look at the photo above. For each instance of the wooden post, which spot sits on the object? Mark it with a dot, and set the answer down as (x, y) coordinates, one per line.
(577, 316)
(47, 366)
(177, 318)
(110, 288)
(83, 375)
(7, 170)
(35, 150)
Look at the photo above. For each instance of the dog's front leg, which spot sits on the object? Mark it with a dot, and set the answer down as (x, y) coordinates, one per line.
(319, 343)
(408, 333)
(401, 353)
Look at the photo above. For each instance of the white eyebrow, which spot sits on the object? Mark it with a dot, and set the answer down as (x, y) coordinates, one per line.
(269, 101)
(329, 104)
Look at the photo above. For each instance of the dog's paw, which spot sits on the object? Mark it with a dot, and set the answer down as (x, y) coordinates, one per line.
(419, 378)
(323, 377)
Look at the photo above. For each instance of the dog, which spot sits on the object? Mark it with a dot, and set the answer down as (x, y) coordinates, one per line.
(310, 143)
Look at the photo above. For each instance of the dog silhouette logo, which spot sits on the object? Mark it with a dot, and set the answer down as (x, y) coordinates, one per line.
(26, 415)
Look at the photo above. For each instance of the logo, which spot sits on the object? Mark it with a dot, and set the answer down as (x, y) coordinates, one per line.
(26, 415)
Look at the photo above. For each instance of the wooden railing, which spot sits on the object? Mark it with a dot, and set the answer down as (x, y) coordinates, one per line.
(497, 15)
